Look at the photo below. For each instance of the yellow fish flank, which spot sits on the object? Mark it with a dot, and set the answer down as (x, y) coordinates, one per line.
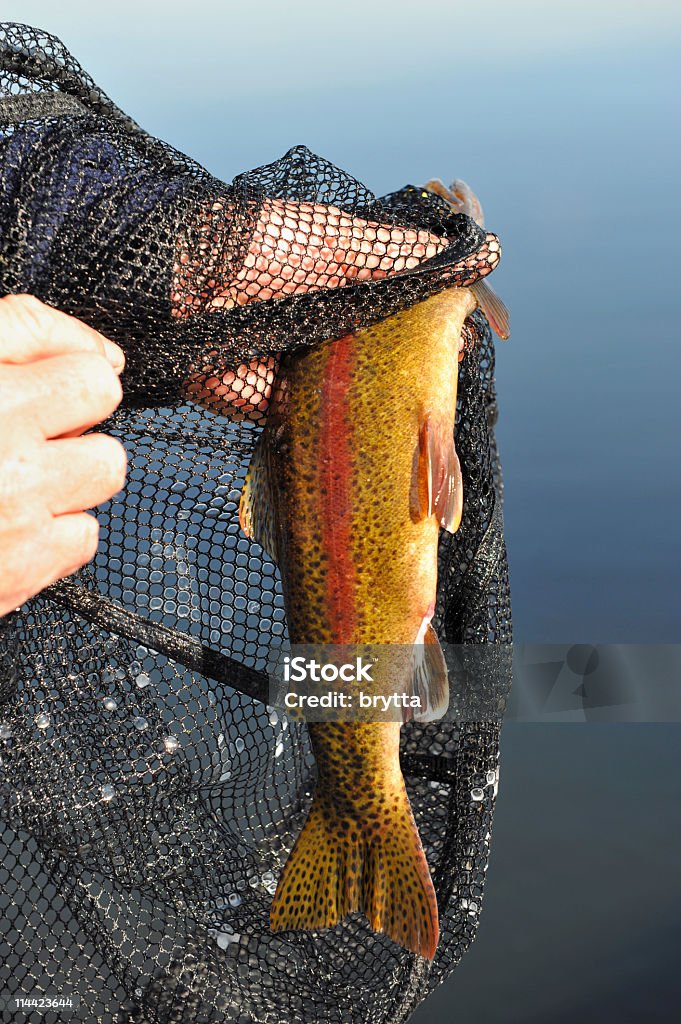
(352, 478)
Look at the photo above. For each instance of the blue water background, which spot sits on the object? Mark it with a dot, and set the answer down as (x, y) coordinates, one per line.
(564, 118)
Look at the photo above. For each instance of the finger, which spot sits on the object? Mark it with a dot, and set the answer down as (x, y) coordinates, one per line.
(52, 550)
(65, 393)
(334, 233)
(81, 473)
(73, 542)
(477, 264)
(30, 330)
(300, 247)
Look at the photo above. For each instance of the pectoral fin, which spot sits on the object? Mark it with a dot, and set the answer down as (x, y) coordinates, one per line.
(493, 308)
(256, 507)
(439, 489)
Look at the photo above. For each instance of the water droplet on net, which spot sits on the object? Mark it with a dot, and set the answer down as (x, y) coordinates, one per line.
(269, 882)
(5, 731)
(234, 899)
(171, 744)
(491, 778)
(240, 745)
(477, 794)
(140, 723)
(110, 704)
(142, 680)
(108, 793)
(43, 721)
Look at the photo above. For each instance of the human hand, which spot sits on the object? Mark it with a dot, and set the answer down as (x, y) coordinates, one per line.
(295, 247)
(58, 378)
(301, 247)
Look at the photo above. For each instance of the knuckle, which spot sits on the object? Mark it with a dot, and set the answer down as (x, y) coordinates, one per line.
(19, 386)
(20, 483)
(27, 306)
(95, 380)
(27, 315)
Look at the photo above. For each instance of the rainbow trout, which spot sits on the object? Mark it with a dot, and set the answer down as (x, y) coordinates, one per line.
(351, 480)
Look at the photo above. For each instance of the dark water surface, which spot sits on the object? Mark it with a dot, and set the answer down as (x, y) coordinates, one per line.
(582, 913)
(566, 123)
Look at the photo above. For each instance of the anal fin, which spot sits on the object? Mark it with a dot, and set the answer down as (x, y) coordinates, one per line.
(430, 681)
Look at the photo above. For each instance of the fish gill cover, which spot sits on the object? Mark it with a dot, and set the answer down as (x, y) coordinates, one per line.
(148, 795)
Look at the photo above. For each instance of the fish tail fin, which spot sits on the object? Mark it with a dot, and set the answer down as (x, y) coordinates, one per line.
(339, 866)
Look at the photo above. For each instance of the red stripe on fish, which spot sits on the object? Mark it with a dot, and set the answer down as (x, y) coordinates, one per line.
(335, 487)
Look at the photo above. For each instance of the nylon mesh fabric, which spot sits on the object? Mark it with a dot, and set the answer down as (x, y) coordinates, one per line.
(148, 796)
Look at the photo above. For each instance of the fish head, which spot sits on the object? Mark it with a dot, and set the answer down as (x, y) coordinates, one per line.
(461, 198)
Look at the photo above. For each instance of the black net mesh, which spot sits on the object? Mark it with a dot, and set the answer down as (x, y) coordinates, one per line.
(148, 795)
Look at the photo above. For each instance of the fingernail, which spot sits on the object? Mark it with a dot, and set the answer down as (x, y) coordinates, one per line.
(114, 354)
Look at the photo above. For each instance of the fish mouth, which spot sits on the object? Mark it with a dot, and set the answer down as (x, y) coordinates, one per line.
(469, 273)
(460, 197)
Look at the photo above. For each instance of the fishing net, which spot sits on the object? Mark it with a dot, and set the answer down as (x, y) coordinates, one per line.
(148, 794)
